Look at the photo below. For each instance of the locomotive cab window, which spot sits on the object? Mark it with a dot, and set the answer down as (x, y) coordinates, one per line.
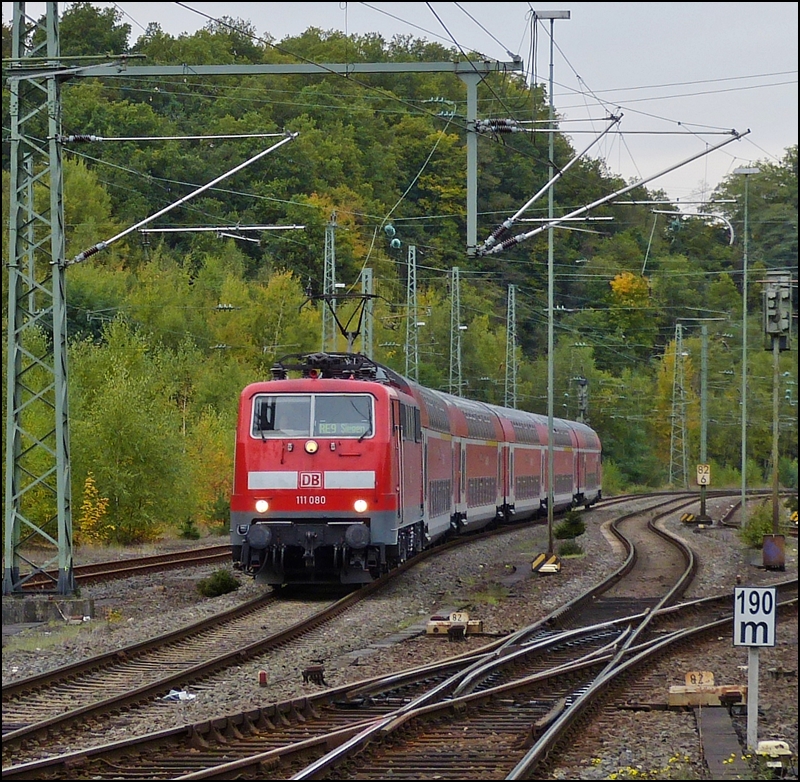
(317, 415)
(282, 416)
(342, 415)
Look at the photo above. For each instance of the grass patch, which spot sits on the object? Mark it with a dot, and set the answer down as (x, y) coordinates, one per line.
(493, 595)
(45, 637)
(539, 540)
(570, 548)
(408, 621)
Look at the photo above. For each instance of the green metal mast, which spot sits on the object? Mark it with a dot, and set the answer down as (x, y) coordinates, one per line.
(510, 395)
(412, 324)
(38, 505)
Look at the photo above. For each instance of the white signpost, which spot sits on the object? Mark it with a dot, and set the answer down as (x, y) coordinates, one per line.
(753, 626)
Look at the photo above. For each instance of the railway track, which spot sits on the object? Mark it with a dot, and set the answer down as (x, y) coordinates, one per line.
(82, 696)
(403, 727)
(504, 732)
(85, 696)
(134, 566)
(290, 733)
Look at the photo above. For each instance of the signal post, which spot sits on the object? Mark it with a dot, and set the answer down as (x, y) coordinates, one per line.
(777, 329)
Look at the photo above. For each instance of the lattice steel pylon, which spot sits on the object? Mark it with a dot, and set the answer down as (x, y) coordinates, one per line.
(329, 329)
(412, 325)
(455, 382)
(677, 437)
(366, 290)
(510, 397)
(38, 501)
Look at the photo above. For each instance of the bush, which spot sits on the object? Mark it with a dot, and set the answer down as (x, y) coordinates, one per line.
(188, 529)
(92, 525)
(569, 548)
(220, 514)
(571, 527)
(758, 525)
(787, 473)
(218, 583)
(725, 475)
(613, 479)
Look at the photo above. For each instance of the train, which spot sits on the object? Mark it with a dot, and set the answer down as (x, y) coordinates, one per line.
(344, 469)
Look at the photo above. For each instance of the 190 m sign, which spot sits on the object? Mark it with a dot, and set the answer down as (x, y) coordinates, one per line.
(754, 616)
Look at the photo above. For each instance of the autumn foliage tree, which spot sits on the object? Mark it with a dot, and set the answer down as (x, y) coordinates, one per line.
(93, 525)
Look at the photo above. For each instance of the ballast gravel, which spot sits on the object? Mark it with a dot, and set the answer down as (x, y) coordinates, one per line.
(493, 582)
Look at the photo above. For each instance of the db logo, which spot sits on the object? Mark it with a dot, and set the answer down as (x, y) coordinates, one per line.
(310, 480)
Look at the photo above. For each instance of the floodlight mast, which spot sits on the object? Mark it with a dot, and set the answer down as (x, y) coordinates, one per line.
(552, 16)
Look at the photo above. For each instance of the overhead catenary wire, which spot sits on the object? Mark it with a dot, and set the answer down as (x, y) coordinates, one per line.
(572, 218)
(82, 256)
(506, 226)
(595, 95)
(522, 237)
(278, 48)
(223, 22)
(86, 137)
(197, 228)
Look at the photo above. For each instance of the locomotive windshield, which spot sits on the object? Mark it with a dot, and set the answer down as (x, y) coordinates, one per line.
(320, 415)
(342, 416)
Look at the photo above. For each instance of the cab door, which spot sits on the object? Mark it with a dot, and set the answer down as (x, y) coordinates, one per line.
(399, 466)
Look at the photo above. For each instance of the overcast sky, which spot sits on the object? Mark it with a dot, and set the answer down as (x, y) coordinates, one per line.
(680, 73)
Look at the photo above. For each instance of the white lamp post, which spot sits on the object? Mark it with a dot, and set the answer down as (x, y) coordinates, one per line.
(552, 16)
(746, 172)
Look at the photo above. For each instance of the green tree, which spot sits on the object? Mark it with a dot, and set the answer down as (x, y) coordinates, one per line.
(772, 209)
(86, 30)
(209, 452)
(128, 433)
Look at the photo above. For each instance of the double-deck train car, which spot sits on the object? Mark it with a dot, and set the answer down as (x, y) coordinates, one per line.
(349, 469)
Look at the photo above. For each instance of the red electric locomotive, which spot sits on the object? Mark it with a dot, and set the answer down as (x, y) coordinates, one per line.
(350, 469)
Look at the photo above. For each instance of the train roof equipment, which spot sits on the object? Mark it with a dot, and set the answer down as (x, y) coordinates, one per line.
(343, 366)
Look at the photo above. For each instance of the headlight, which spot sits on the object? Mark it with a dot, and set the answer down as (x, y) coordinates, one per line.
(360, 506)
(311, 446)
(262, 506)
